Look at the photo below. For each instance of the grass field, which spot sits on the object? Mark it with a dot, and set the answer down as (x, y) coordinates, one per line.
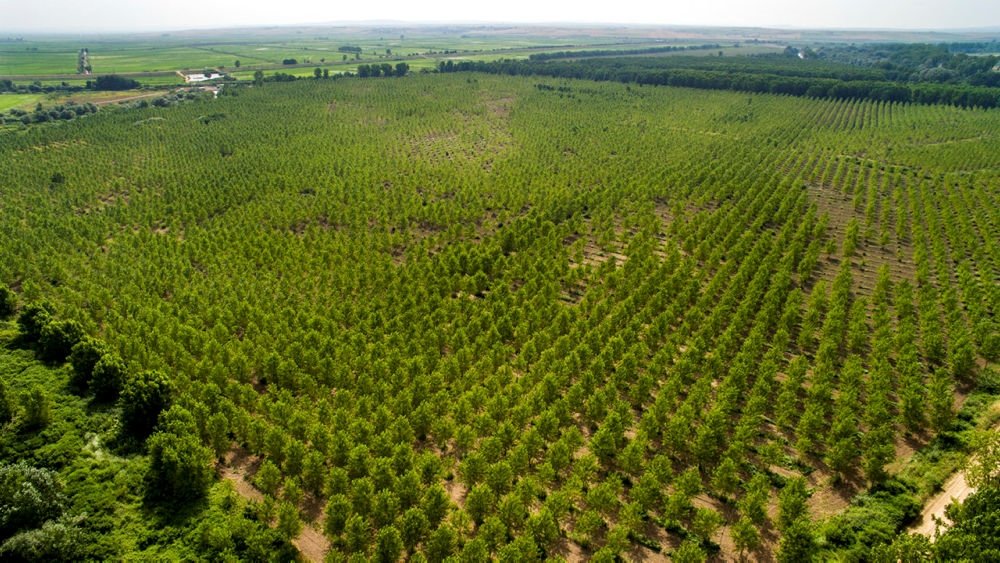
(20, 101)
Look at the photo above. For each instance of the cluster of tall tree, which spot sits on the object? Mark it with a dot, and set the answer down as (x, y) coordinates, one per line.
(582, 54)
(748, 75)
(384, 69)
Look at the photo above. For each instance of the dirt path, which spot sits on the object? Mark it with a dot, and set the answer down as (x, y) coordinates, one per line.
(127, 99)
(312, 543)
(955, 489)
(238, 479)
(238, 467)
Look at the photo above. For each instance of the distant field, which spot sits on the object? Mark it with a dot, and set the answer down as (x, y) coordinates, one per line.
(23, 62)
(142, 54)
(10, 101)
(28, 101)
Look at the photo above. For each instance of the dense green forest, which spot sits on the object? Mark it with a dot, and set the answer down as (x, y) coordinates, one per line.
(954, 63)
(471, 316)
(814, 78)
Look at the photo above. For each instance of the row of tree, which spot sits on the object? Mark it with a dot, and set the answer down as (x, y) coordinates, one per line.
(384, 69)
(655, 72)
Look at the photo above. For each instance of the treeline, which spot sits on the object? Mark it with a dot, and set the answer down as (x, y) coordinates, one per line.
(618, 52)
(384, 69)
(945, 63)
(60, 112)
(113, 82)
(7, 85)
(642, 72)
(105, 82)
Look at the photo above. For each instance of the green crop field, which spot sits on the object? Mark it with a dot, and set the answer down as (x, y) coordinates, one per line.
(476, 316)
(8, 101)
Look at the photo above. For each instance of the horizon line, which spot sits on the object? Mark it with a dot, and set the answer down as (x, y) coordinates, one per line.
(24, 32)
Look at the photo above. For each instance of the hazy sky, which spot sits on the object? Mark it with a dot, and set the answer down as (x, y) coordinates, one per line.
(140, 15)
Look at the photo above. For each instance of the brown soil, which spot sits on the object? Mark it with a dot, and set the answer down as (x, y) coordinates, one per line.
(456, 492)
(311, 543)
(239, 467)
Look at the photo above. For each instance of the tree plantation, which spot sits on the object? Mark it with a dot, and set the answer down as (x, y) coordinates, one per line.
(465, 316)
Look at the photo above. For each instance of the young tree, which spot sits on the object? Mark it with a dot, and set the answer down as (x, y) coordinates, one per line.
(544, 528)
(37, 407)
(356, 534)
(388, 545)
(726, 478)
(753, 505)
(797, 542)
(705, 523)
(475, 550)
(440, 545)
(217, 428)
(690, 551)
(413, 527)
(338, 509)
(268, 478)
(746, 537)
(435, 504)
(940, 396)
(479, 502)
(314, 473)
(792, 503)
(289, 524)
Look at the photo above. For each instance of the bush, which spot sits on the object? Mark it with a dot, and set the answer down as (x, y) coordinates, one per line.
(54, 541)
(179, 467)
(108, 377)
(32, 320)
(57, 339)
(84, 357)
(28, 497)
(975, 532)
(37, 408)
(143, 398)
(115, 82)
(8, 302)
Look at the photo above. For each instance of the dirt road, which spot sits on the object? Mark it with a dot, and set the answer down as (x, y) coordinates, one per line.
(128, 99)
(955, 489)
